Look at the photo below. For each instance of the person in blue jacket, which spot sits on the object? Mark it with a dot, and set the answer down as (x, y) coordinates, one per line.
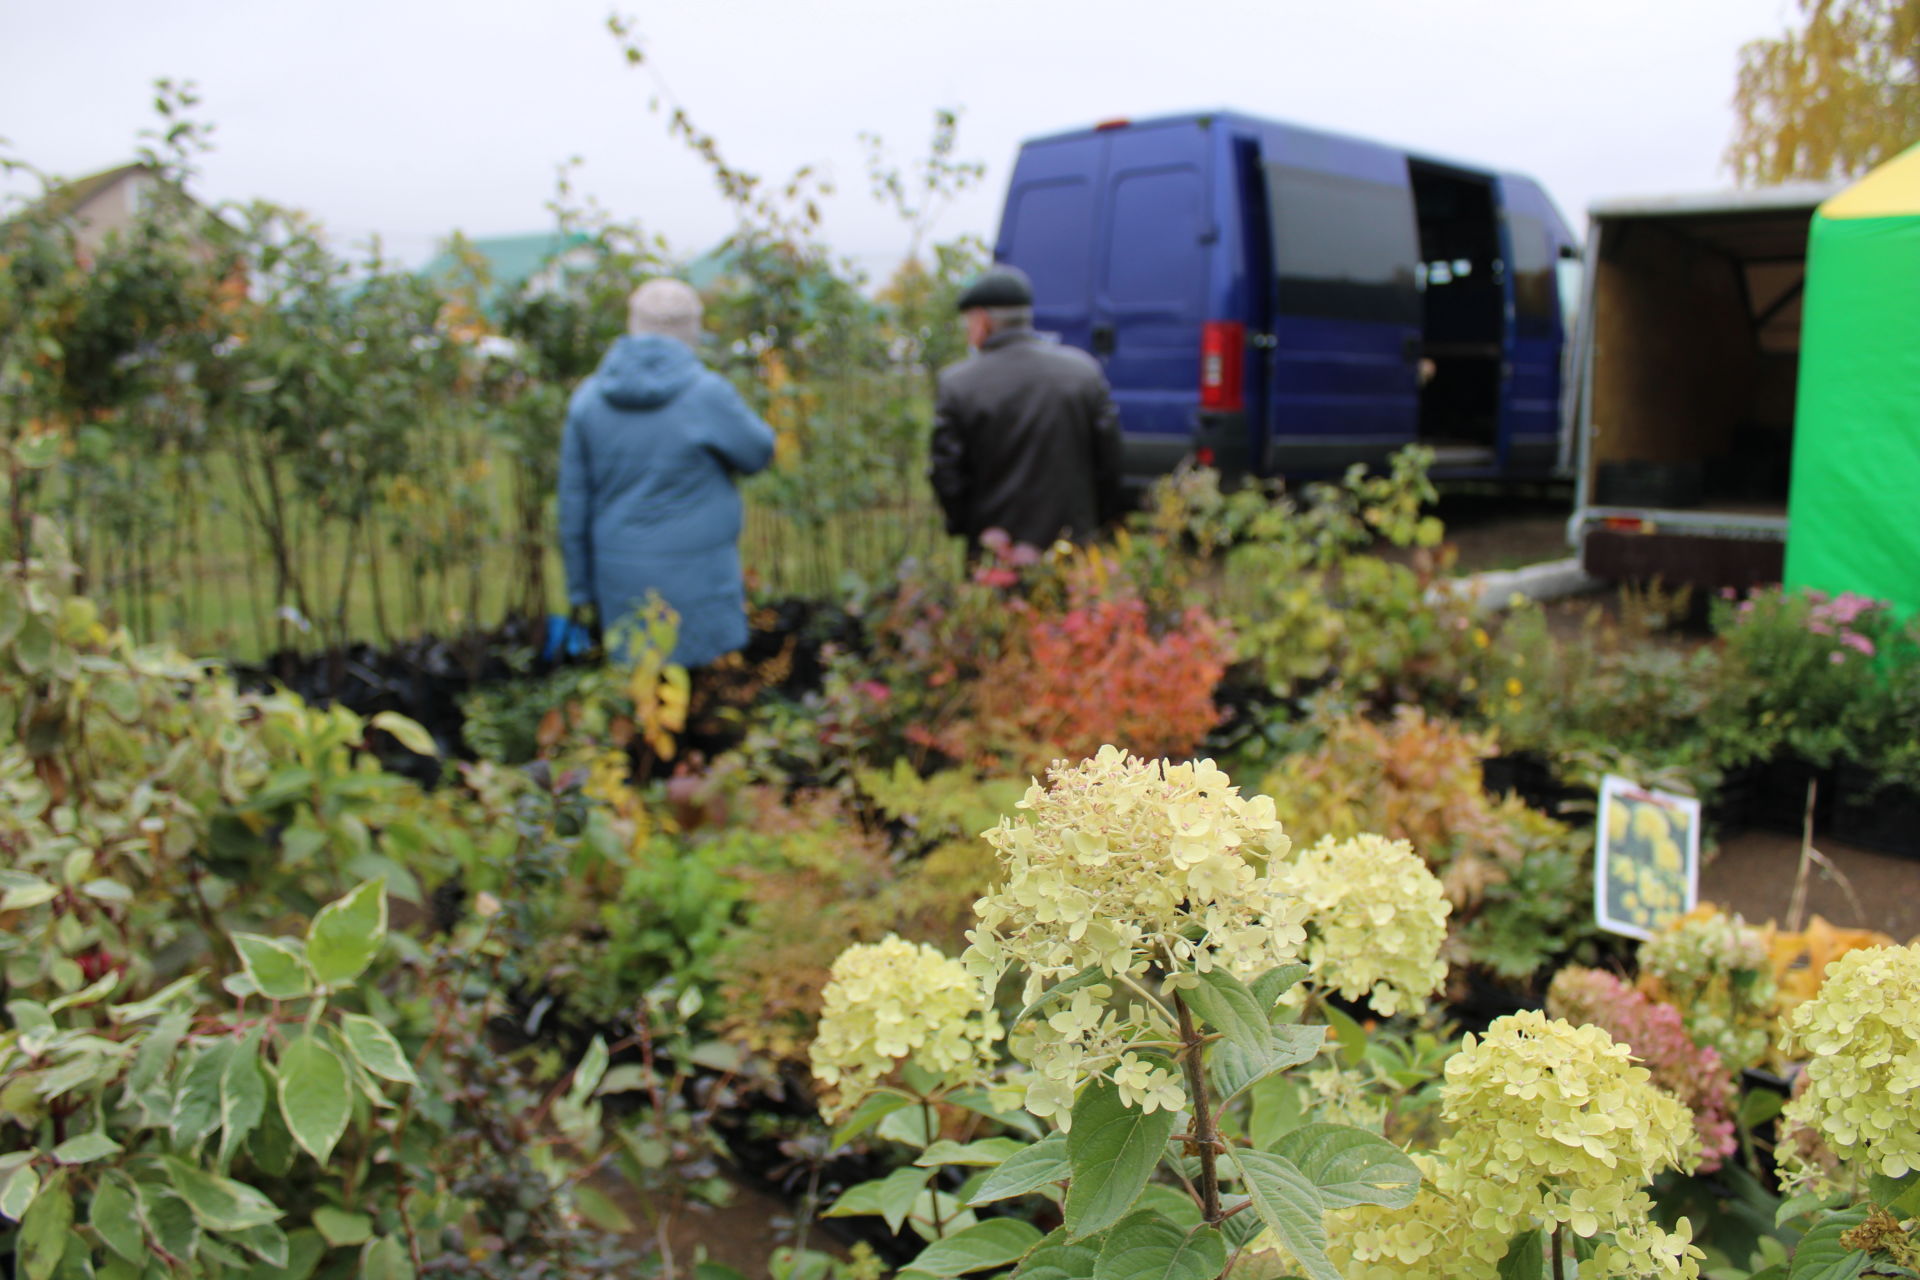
(653, 443)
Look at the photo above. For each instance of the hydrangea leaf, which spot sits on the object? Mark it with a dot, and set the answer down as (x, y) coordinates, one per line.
(1113, 1149)
(1026, 1171)
(1525, 1258)
(985, 1152)
(981, 1103)
(1235, 1069)
(1057, 1257)
(1289, 1204)
(1276, 982)
(995, 1243)
(1146, 1246)
(890, 1197)
(1225, 1004)
(1821, 1256)
(1899, 1196)
(1351, 1166)
(873, 1108)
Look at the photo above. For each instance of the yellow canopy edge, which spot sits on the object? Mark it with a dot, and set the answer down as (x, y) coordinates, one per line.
(1890, 191)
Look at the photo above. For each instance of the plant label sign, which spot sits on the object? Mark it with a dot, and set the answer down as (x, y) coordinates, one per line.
(1646, 869)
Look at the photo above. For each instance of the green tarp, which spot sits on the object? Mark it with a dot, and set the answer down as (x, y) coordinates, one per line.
(1854, 506)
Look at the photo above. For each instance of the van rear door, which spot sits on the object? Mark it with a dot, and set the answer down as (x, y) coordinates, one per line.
(1347, 306)
(1047, 230)
(1149, 298)
(1114, 225)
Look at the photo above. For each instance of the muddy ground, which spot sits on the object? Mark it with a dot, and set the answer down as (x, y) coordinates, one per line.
(1506, 529)
(1753, 873)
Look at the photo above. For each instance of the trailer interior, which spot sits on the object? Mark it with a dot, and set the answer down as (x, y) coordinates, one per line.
(1688, 387)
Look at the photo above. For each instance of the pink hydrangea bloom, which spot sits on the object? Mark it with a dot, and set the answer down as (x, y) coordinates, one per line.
(1659, 1039)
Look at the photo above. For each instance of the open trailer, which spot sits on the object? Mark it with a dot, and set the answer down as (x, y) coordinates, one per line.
(1685, 374)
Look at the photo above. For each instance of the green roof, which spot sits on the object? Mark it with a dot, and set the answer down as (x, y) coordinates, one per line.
(510, 260)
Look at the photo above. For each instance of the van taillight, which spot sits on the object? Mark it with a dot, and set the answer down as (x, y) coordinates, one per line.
(1223, 344)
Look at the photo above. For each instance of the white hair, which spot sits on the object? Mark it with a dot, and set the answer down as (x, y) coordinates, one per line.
(999, 318)
(667, 307)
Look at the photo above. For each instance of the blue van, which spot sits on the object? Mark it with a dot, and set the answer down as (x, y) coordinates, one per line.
(1269, 299)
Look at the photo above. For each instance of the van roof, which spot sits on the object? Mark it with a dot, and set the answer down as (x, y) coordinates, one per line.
(1268, 122)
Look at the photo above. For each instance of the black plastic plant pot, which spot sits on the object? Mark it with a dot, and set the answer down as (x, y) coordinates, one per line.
(1530, 776)
(1873, 815)
(1772, 796)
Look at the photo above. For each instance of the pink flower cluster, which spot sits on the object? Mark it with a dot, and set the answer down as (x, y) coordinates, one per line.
(1659, 1039)
(1009, 557)
(1835, 617)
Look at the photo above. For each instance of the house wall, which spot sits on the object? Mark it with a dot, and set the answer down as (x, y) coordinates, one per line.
(112, 208)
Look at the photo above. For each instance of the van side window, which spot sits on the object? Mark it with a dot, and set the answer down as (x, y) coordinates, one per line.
(1154, 254)
(1344, 248)
(1534, 284)
(1050, 221)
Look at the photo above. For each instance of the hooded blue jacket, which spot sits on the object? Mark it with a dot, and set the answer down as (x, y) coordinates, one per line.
(647, 500)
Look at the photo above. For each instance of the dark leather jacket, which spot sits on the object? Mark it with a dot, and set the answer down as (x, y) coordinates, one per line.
(1026, 439)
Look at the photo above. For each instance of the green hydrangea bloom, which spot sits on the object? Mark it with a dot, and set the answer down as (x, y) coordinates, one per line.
(1861, 1036)
(894, 1002)
(1377, 918)
(1714, 968)
(1128, 866)
(1556, 1125)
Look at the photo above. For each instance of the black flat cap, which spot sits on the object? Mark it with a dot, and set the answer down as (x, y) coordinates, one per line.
(998, 286)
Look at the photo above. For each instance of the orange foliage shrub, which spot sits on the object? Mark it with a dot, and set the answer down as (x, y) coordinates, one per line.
(1097, 672)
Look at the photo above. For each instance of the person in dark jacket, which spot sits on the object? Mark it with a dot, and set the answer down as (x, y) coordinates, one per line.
(653, 443)
(1025, 436)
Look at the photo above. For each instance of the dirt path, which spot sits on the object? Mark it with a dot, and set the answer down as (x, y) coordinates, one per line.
(1505, 530)
(1753, 874)
(739, 1234)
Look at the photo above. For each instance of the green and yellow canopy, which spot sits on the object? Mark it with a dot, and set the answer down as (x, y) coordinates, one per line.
(1854, 509)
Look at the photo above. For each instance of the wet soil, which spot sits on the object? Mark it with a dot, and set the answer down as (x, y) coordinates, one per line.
(739, 1234)
(1505, 528)
(1753, 873)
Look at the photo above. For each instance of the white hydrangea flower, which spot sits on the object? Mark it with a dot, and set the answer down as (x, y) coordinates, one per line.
(1376, 920)
(893, 1002)
(1127, 863)
(1132, 867)
(1556, 1124)
(1862, 1038)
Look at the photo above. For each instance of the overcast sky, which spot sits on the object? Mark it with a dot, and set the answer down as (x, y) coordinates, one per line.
(411, 119)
